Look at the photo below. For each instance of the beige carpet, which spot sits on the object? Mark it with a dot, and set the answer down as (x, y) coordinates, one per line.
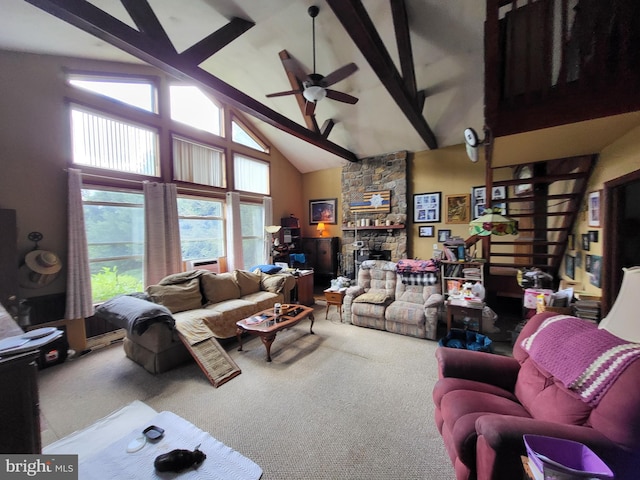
(347, 402)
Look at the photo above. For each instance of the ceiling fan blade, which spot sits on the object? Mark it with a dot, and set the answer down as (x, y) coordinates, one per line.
(309, 108)
(292, 65)
(340, 74)
(341, 96)
(282, 94)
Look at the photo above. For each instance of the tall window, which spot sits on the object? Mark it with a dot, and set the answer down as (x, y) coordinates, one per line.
(250, 174)
(115, 235)
(99, 140)
(201, 228)
(189, 105)
(197, 163)
(252, 221)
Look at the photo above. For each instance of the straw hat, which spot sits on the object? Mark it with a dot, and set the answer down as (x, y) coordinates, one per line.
(43, 262)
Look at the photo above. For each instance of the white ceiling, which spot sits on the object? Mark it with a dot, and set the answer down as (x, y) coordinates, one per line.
(447, 43)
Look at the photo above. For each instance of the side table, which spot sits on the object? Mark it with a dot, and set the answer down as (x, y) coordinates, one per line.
(462, 308)
(304, 288)
(334, 297)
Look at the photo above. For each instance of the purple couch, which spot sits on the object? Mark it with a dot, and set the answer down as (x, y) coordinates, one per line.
(485, 403)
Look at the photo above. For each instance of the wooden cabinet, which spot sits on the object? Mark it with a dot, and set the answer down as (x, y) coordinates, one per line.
(8, 258)
(19, 404)
(303, 293)
(322, 255)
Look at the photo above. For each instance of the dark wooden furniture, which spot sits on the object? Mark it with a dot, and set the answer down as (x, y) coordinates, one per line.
(334, 298)
(271, 325)
(8, 258)
(303, 293)
(19, 404)
(322, 256)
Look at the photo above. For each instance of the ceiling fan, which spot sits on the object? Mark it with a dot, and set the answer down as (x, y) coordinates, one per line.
(314, 85)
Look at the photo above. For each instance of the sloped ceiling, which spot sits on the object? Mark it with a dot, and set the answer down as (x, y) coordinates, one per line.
(446, 40)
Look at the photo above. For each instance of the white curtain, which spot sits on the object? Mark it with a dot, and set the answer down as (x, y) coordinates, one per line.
(162, 255)
(235, 259)
(79, 303)
(268, 220)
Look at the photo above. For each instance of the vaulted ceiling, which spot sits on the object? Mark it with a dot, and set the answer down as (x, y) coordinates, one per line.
(420, 62)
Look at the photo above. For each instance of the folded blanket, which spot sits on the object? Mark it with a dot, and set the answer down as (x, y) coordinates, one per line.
(416, 266)
(586, 359)
(428, 278)
(134, 314)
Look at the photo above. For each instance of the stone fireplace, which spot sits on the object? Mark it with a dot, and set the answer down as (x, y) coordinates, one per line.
(384, 236)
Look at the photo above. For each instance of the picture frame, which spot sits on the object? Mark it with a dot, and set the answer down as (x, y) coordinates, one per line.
(571, 241)
(570, 266)
(502, 206)
(458, 208)
(593, 236)
(595, 272)
(594, 208)
(478, 200)
(426, 207)
(578, 259)
(585, 242)
(444, 235)
(499, 193)
(322, 210)
(587, 263)
(426, 231)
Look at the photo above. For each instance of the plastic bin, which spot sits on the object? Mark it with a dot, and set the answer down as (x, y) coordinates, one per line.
(560, 459)
(467, 340)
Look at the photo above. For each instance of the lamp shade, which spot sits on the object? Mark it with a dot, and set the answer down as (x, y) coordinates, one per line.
(493, 223)
(320, 227)
(273, 228)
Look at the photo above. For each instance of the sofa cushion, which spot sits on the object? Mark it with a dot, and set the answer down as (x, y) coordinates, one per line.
(412, 296)
(375, 297)
(177, 298)
(405, 312)
(546, 399)
(273, 283)
(219, 287)
(247, 281)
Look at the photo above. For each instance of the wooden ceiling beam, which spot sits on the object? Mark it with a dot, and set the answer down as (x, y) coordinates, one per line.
(208, 46)
(147, 22)
(359, 26)
(403, 39)
(95, 21)
(310, 120)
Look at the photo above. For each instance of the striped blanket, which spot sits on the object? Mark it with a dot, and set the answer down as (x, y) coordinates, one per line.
(418, 272)
(586, 359)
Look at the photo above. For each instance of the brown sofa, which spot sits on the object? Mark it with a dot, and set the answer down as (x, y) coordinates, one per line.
(204, 305)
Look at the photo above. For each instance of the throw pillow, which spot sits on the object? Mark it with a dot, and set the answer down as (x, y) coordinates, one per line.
(378, 298)
(133, 314)
(219, 287)
(177, 298)
(247, 281)
(273, 283)
(268, 269)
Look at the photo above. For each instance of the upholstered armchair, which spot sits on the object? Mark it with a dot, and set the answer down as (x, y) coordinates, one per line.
(416, 308)
(365, 302)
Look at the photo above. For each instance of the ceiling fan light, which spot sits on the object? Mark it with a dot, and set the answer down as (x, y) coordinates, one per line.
(314, 93)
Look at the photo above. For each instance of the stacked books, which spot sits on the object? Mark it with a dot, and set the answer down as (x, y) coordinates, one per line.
(471, 273)
(587, 309)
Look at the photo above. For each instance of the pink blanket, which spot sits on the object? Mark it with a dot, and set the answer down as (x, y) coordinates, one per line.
(586, 359)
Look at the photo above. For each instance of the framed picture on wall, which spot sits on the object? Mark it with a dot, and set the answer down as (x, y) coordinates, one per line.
(570, 266)
(425, 231)
(426, 207)
(443, 235)
(594, 208)
(322, 211)
(457, 208)
(478, 201)
(586, 244)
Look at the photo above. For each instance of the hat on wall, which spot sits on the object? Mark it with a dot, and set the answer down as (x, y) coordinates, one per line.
(43, 262)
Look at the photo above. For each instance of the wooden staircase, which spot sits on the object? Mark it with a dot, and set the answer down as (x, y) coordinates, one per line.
(545, 198)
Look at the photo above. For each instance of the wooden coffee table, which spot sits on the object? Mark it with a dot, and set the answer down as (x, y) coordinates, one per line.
(270, 325)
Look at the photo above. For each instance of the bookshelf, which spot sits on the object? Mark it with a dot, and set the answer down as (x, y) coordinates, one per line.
(462, 272)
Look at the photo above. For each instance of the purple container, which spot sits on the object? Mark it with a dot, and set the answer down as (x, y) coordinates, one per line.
(564, 459)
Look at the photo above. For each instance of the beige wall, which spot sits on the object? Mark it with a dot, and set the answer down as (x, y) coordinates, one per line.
(318, 185)
(34, 134)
